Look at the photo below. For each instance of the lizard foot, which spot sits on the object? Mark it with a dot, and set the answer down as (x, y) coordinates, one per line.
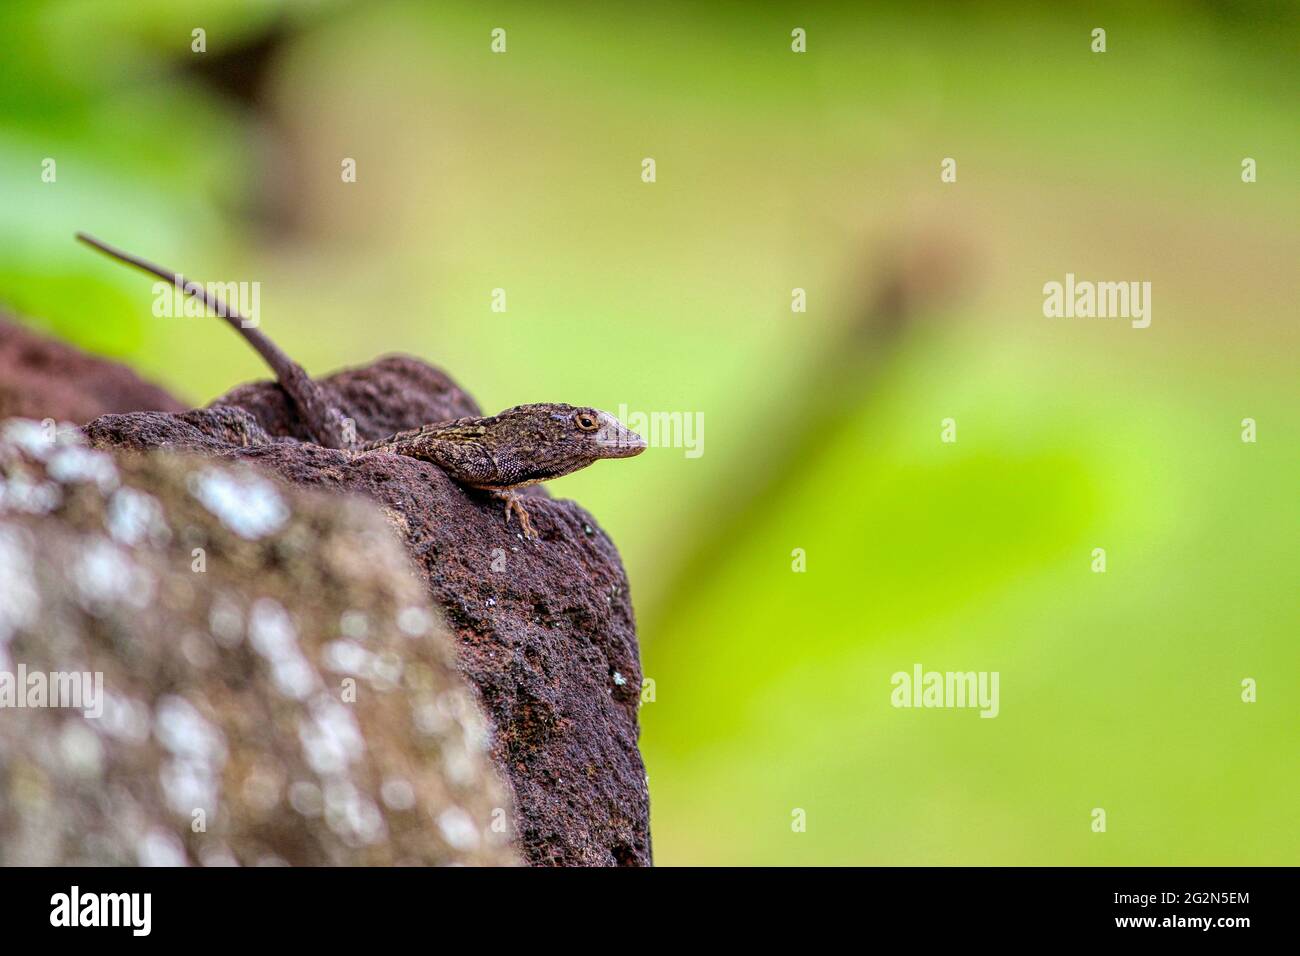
(515, 503)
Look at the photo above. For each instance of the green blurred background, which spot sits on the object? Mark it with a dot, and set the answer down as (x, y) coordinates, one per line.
(777, 171)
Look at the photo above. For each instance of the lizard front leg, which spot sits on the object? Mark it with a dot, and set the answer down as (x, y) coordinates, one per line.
(514, 502)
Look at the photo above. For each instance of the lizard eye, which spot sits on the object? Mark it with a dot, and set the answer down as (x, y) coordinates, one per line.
(586, 421)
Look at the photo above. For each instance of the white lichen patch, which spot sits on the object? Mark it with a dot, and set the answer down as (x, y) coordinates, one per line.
(33, 438)
(184, 732)
(382, 671)
(226, 621)
(81, 751)
(248, 505)
(160, 848)
(353, 815)
(458, 763)
(124, 719)
(331, 740)
(306, 798)
(20, 601)
(385, 672)
(191, 778)
(271, 632)
(294, 677)
(188, 786)
(105, 576)
(458, 829)
(397, 794)
(75, 465)
(270, 628)
(217, 856)
(414, 621)
(429, 719)
(135, 517)
(346, 657)
(20, 493)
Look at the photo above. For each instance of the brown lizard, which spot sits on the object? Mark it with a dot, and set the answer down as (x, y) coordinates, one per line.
(498, 454)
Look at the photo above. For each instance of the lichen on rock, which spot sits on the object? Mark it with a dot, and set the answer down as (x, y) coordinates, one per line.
(228, 727)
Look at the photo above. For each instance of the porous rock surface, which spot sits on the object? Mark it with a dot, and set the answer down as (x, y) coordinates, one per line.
(544, 629)
(276, 687)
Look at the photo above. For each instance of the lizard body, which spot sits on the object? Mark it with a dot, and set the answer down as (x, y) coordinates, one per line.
(498, 454)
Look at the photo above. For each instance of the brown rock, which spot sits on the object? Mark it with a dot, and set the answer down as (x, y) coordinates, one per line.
(276, 685)
(381, 398)
(43, 378)
(544, 629)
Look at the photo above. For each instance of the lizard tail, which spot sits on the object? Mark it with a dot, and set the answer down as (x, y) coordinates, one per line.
(327, 424)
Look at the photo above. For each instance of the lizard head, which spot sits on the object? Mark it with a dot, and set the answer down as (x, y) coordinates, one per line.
(549, 440)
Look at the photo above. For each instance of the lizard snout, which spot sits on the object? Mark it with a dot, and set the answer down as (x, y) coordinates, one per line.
(616, 440)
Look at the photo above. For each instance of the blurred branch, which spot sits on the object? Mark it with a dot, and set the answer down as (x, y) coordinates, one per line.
(918, 276)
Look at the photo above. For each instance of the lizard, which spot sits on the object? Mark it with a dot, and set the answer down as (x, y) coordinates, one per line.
(497, 454)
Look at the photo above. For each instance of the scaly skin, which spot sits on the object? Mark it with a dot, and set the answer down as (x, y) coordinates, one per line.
(518, 447)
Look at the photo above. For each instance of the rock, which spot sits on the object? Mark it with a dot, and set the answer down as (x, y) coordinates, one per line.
(276, 687)
(544, 629)
(43, 378)
(382, 398)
